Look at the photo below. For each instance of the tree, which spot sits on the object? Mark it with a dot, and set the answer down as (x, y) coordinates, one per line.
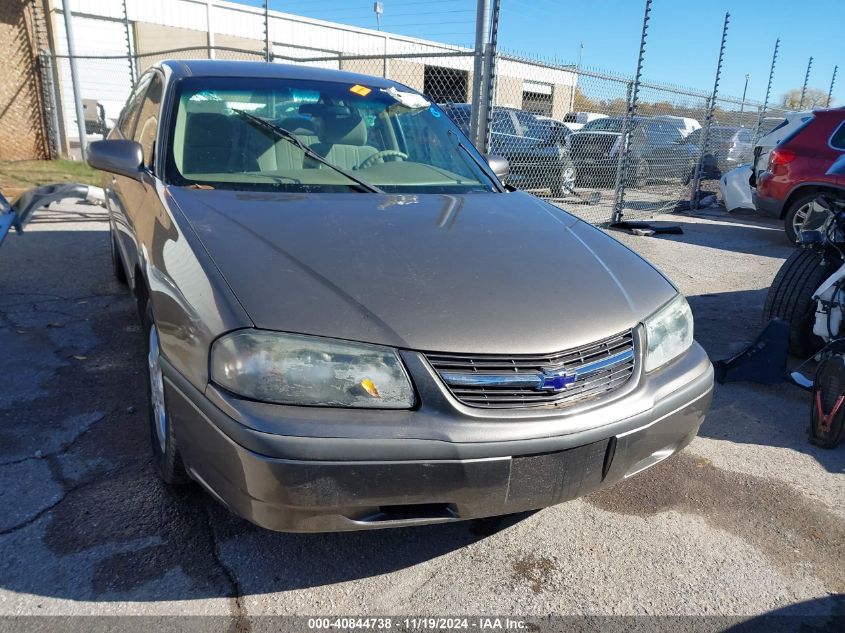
(813, 98)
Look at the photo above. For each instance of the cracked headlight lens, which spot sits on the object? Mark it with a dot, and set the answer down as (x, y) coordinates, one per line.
(668, 333)
(310, 370)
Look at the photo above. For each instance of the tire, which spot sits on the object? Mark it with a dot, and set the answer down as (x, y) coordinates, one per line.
(166, 456)
(790, 298)
(568, 178)
(117, 264)
(795, 215)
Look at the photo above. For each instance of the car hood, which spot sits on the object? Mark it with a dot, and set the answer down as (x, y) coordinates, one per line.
(482, 273)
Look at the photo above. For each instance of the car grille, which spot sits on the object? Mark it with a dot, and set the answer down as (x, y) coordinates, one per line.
(550, 380)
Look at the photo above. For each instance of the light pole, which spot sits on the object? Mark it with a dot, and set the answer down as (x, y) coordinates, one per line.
(742, 105)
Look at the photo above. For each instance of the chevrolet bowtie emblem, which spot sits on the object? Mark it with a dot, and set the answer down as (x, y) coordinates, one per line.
(555, 381)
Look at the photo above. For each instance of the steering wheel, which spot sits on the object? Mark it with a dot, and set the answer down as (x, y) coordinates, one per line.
(385, 153)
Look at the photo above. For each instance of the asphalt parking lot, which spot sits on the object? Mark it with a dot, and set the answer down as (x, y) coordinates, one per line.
(750, 519)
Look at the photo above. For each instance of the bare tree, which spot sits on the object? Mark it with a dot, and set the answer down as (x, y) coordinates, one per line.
(813, 98)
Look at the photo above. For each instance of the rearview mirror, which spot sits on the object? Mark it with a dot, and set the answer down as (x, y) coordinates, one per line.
(499, 165)
(117, 156)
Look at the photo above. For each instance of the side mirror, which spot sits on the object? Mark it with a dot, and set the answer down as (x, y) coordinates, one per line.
(117, 156)
(499, 165)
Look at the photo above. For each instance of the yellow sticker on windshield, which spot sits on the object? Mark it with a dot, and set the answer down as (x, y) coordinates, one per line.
(360, 90)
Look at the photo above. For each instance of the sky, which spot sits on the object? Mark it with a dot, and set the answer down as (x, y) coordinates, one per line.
(683, 36)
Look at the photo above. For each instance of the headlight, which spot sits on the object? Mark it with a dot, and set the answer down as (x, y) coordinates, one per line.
(309, 370)
(668, 333)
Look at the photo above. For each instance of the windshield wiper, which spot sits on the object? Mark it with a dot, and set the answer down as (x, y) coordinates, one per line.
(484, 168)
(280, 132)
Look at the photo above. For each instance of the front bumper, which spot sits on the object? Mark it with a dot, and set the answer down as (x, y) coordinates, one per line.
(391, 474)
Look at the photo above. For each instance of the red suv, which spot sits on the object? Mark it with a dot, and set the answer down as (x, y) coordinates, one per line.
(809, 162)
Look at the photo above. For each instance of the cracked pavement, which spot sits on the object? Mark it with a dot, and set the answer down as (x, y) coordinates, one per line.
(750, 519)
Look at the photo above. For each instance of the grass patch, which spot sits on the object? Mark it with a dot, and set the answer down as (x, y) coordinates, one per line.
(24, 174)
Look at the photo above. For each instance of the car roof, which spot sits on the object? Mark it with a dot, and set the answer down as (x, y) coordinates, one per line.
(263, 70)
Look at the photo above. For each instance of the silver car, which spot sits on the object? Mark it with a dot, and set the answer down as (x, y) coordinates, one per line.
(351, 323)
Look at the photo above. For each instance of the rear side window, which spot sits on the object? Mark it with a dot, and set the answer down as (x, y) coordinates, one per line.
(838, 139)
(133, 106)
(147, 128)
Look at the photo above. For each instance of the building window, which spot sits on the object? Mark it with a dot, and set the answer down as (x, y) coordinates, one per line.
(446, 85)
(537, 103)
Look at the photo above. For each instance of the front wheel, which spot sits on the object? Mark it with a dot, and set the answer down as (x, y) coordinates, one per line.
(566, 184)
(165, 453)
(790, 298)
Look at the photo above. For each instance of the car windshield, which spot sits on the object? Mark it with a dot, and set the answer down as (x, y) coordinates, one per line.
(603, 125)
(388, 139)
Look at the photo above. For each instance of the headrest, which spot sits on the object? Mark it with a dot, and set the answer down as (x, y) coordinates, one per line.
(347, 129)
(298, 125)
(208, 128)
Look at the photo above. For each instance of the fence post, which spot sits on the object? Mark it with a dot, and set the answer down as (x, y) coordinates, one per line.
(830, 92)
(48, 94)
(621, 163)
(266, 30)
(630, 113)
(128, 34)
(804, 87)
(488, 95)
(482, 35)
(768, 88)
(705, 135)
(757, 127)
(209, 24)
(74, 78)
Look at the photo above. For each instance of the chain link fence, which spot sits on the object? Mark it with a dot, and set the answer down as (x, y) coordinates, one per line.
(564, 130)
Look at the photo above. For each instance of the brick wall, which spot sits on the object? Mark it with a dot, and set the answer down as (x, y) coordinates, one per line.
(22, 132)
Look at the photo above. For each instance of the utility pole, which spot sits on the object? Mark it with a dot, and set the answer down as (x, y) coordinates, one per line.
(74, 78)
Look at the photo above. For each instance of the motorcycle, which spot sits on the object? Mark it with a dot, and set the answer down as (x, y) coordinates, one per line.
(808, 294)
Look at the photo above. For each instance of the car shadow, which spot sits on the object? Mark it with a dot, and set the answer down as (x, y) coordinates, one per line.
(738, 232)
